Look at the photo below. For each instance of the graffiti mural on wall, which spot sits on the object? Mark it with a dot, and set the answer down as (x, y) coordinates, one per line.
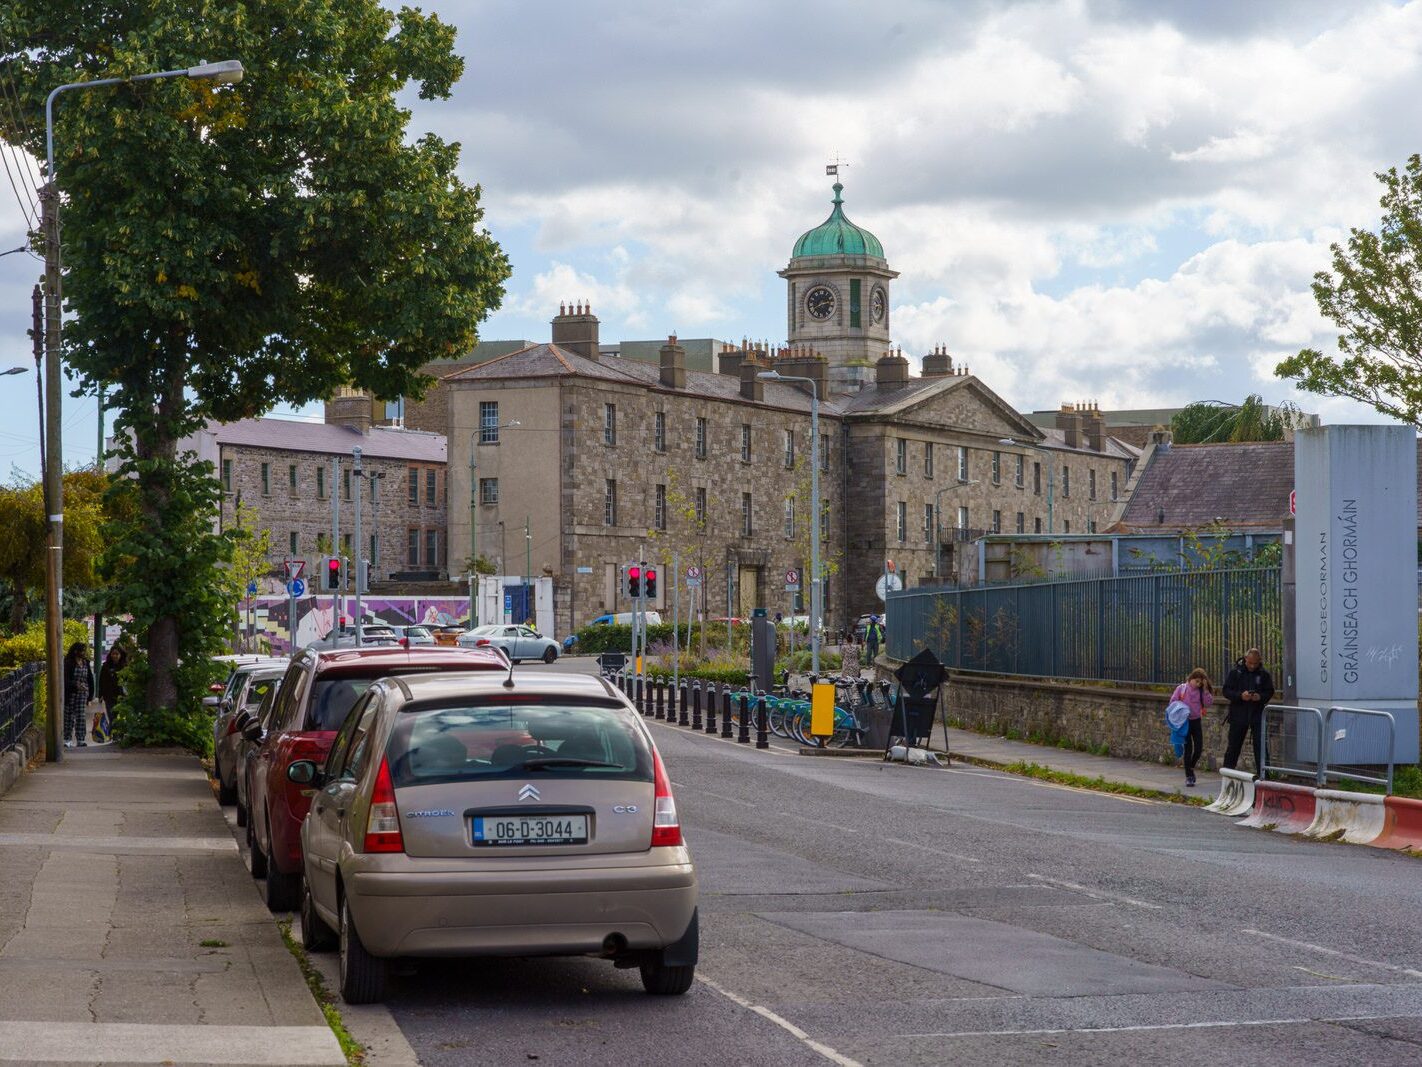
(316, 616)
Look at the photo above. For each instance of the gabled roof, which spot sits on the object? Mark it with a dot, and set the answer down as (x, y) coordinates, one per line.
(880, 400)
(292, 435)
(553, 361)
(1188, 486)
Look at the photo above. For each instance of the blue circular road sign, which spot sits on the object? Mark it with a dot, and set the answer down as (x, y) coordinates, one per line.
(296, 587)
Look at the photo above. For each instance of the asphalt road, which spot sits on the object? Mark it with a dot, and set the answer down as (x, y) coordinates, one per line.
(856, 912)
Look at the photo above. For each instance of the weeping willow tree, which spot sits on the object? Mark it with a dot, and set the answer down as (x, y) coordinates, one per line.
(1211, 422)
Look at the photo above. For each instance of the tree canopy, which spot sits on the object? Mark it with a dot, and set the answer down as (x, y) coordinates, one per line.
(1373, 295)
(24, 536)
(229, 248)
(1205, 422)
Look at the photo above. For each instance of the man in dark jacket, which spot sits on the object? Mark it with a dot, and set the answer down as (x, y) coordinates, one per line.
(1248, 689)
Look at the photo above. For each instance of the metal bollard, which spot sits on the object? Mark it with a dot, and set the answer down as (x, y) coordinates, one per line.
(712, 699)
(637, 692)
(762, 727)
(743, 735)
(726, 712)
(661, 712)
(681, 717)
(696, 707)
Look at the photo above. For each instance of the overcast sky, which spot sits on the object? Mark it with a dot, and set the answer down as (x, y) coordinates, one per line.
(1122, 200)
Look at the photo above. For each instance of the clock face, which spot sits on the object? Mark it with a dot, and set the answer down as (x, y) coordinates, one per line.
(820, 303)
(878, 305)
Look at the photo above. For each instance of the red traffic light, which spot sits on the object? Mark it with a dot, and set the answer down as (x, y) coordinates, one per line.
(634, 573)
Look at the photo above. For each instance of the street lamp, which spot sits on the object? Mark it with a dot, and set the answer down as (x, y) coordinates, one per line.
(816, 507)
(938, 519)
(474, 514)
(225, 72)
(1051, 475)
(13, 370)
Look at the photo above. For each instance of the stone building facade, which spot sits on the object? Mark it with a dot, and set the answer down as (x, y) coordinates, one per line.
(285, 472)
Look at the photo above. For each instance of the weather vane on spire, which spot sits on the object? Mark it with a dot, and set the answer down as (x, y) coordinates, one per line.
(832, 169)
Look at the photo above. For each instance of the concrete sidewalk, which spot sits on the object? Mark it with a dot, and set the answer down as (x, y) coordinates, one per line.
(115, 868)
(999, 750)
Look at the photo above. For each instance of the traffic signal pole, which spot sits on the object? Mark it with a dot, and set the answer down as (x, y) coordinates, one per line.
(336, 540)
(356, 475)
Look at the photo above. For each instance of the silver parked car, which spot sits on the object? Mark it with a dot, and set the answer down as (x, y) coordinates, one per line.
(457, 817)
(517, 642)
(244, 691)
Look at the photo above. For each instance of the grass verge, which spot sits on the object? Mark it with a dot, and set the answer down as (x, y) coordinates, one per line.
(354, 1050)
(1081, 781)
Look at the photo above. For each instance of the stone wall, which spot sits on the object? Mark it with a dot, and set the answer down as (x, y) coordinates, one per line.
(1129, 723)
(305, 508)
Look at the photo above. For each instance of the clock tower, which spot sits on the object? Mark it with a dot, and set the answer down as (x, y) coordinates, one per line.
(837, 297)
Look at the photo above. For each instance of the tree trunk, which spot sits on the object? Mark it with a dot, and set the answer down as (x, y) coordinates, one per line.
(157, 442)
(19, 606)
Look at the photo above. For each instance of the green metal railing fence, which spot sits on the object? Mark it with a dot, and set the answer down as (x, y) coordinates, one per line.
(1151, 628)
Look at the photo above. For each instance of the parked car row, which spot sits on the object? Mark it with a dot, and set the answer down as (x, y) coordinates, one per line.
(430, 802)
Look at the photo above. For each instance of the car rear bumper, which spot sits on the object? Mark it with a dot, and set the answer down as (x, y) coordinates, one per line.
(548, 912)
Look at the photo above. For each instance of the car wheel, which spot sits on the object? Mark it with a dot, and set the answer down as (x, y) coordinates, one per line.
(226, 794)
(663, 981)
(517, 661)
(282, 889)
(550, 654)
(241, 812)
(257, 858)
(316, 936)
(362, 975)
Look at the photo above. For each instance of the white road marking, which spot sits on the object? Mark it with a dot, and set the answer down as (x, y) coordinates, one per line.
(122, 844)
(1321, 949)
(1213, 1024)
(784, 1024)
(1099, 894)
(935, 851)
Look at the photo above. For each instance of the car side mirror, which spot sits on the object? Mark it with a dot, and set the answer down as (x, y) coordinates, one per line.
(241, 720)
(252, 731)
(303, 772)
(210, 702)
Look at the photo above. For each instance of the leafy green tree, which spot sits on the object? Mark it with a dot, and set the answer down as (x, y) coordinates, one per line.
(24, 536)
(228, 248)
(1374, 296)
(1206, 422)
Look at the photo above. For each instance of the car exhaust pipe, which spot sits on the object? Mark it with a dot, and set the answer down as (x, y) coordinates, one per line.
(613, 945)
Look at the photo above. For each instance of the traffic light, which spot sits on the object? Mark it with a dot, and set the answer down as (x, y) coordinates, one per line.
(634, 581)
(331, 574)
(651, 579)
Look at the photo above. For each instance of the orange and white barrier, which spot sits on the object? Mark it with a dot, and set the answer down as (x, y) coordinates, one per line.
(1356, 818)
(1402, 824)
(1281, 807)
(1236, 793)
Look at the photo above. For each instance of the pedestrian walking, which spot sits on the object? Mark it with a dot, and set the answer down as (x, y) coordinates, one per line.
(873, 636)
(1197, 692)
(109, 692)
(1248, 689)
(78, 687)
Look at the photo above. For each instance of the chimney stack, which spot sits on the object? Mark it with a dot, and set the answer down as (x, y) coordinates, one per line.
(350, 407)
(752, 388)
(804, 362)
(1069, 422)
(576, 329)
(1095, 428)
(939, 364)
(891, 370)
(729, 360)
(673, 362)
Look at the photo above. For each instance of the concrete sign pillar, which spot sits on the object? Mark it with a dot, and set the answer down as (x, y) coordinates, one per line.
(1356, 574)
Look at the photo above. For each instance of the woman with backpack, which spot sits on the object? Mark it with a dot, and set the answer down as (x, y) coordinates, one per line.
(1197, 692)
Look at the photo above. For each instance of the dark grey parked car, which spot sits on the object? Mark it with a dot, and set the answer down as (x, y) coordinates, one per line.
(245, 689)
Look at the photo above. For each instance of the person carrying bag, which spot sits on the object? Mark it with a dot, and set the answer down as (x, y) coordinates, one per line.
(1196, 693)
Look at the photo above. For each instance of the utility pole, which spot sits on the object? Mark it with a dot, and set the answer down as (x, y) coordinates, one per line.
(473, 530)
(53, 479)
(359, 551)
(99, 611)
(527, 568)
(336, 605)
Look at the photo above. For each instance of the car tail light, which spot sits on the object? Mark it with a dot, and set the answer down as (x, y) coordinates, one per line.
(483, 642)
(666, 829)
(232, 725)
(382, 827)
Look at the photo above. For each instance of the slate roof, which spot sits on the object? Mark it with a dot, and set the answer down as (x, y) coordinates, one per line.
(1056, 440)
(1247, 485)
(552, 361)
(296, 436)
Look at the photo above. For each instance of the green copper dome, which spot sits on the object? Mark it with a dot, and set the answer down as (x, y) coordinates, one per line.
(837, 236)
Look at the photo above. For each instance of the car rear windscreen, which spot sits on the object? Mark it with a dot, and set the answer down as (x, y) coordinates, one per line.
(335, 693)
(451, 743)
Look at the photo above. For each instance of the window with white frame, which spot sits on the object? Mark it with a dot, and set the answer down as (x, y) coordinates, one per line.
(659, 431)
(1114, 485)
(488, 422)
(700, 438)
(745, 442)
(824, 451)
(963, 516)
(928, 523)
(901, 521)
(609, 424)
(1021, 464)
(997, 468)
(900, 456)
(962, 463)
(700, 507)
(659, 515)
(1021, 522)
(1091, 483)
(488, 490)
(1066, 481)
(996, 521)
(747, 516)
(789, 449)
(789, 517)
(928, 459)
(609, 502)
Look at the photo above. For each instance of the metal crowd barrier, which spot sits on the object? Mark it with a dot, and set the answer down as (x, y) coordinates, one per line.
(1308, 743)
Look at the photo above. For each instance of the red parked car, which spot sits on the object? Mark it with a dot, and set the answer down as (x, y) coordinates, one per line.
(317, 692)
